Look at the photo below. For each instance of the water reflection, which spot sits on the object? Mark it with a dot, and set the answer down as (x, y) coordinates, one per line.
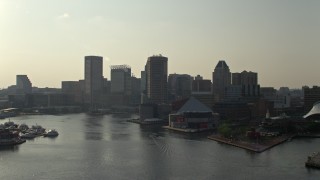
(9, 148)
(93, 128)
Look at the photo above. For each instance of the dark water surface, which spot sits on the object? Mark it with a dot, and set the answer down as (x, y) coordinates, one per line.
(108, 147)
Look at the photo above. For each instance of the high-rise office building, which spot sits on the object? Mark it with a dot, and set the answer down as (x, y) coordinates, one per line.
(157, 81)
(74, 89)
(24, 85)
(248, 82)
(93, 79)
(201, 85)
(121, 79)
(221, 78)
(143, 83)
(179, 86)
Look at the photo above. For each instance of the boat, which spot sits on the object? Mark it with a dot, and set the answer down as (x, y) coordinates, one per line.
(29, 135)
(51, 133)
(39, 130)
(9, 138)
(23, 127)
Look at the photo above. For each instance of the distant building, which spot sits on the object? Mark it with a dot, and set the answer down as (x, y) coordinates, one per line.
(73, 88)
(179, 86)
(135, 90)
(93, 79)
(249, 83)
(201, 90)
(121, 79)
(201, 85)
(221, 78)
(268, 92)
(234, 111)
(143, 82)
(311, 96)
(23, 85)
(157, 81)
(49, 100)
(206, 98)
(280, 99)
(233, 93)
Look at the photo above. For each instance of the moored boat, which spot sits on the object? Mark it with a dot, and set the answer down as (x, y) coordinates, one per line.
(9, 138)
(51, 133)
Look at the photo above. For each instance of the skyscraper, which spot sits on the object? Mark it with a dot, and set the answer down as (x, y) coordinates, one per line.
(121, 79)
(157, 81)
(179, 86)
(248, 82)
(93, 79)
(24, 85)
(221, 78)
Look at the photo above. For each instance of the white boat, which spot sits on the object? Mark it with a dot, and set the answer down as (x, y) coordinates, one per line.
(51, 133)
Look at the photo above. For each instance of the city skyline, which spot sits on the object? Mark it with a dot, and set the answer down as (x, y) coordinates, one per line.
(47, 40)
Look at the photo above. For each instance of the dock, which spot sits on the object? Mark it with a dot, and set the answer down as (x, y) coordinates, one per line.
(138, 121)
(255, 147)
(313, 161)
(186, 130)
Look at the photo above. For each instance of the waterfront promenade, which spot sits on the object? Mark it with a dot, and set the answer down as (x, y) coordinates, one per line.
(257, 147)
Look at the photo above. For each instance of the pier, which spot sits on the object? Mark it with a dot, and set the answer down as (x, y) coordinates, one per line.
(187, 130)
(255, 147)
(156, 122)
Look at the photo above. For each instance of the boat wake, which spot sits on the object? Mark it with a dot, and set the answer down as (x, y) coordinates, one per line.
(165, 148)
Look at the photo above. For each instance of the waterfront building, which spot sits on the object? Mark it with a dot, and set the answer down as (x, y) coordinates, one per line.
(23, 85)
(73, 88)
(311, 96)
(221, 78)
(93, 79)
(157, 81)
(49, 100)
(148, 111)
(193, 115)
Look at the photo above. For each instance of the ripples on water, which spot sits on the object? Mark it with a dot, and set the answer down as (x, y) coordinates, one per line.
(108, 147)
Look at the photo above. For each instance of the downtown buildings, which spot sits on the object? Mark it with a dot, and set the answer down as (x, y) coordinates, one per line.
(227, 93)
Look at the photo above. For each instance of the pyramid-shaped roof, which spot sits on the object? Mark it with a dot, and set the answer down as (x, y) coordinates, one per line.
(193, 105)
(222, 65)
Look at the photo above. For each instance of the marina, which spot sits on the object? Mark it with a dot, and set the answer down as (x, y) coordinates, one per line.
(12, 134)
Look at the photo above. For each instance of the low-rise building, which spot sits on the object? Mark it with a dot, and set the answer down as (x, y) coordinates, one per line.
(193, 116)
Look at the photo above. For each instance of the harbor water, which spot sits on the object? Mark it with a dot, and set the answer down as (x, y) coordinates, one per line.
(109, 147)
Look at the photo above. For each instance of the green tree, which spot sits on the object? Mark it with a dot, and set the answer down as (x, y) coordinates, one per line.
(225, 130)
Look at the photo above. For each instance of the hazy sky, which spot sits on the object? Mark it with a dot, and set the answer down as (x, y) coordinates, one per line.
(48, 39)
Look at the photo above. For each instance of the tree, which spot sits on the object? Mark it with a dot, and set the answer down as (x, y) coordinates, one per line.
(225, 130)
